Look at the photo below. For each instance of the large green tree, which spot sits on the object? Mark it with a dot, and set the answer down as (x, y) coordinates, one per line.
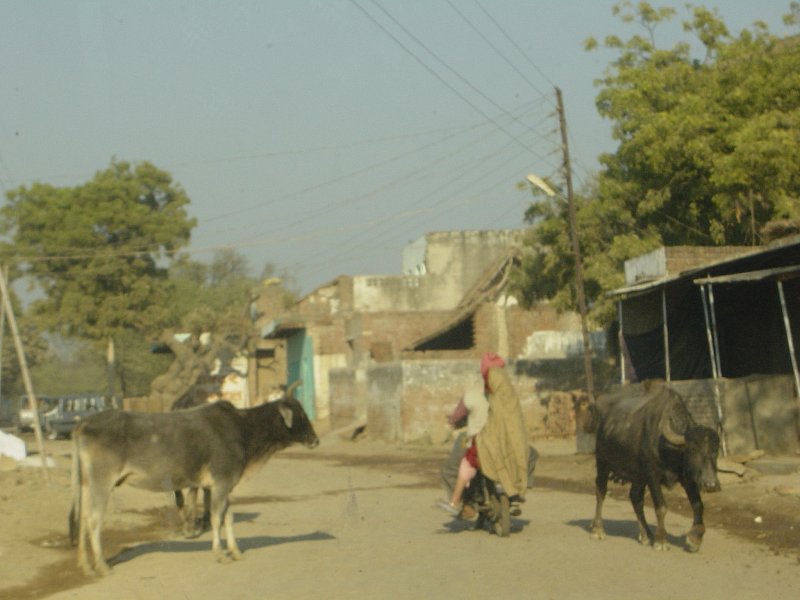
(708, 135)
(98, 253)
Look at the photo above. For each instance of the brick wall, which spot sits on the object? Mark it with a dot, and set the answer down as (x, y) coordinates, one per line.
(384, 401)
(347, 406)
(419, 394)
(684, 258)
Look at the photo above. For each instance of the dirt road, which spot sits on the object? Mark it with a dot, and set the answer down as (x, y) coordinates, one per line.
(356, 520)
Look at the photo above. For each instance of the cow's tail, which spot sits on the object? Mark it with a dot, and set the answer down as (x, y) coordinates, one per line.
(75, 511)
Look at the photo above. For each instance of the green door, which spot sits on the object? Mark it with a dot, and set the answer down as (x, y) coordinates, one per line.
(300, 355)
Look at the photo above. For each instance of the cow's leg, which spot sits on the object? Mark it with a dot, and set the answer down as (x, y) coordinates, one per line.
(205, 523)
(83, 556)
(601, 487)
(188, 511)
(217, 512)
(233, 547)
(660, 539)
(637, 500)
(219, 507)
(695, 537)
(94, 499)
(180, 502)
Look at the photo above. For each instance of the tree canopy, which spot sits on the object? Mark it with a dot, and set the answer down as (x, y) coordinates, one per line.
(106, 261)
(708, 152)
(99, 251)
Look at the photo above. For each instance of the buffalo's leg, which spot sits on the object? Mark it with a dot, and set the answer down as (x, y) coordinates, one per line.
(601, 488)
(637, 500)
(660, 539)
(695, 537)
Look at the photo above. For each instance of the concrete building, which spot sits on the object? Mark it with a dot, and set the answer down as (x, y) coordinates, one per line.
(395, 352)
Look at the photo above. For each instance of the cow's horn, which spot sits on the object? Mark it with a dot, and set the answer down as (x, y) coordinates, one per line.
(674, 438)
(295, 384)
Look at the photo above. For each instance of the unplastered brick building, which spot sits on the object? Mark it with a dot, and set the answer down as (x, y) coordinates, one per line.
(395, 352)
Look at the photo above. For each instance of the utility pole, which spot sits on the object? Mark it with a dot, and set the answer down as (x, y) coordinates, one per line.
(576, 249)
(26, 377)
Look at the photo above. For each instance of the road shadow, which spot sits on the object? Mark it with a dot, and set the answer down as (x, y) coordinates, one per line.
(245, 544)
(623, 529)
(457, 525)
(243, 517)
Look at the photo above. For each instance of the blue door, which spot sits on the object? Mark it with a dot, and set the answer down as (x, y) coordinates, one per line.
(300, 358)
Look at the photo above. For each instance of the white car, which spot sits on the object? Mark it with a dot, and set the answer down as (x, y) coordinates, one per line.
(25, 419)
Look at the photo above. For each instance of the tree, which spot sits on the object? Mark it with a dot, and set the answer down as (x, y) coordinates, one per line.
(211, 304)
(36, 350)
(708, 148)
(98, 252)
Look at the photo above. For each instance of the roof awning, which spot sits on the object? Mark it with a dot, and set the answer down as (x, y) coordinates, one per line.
(492, 280)
(781, 273)
(280, 328)
(638, 289)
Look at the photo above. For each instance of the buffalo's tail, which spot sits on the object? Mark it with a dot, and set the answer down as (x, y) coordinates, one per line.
(588, 417)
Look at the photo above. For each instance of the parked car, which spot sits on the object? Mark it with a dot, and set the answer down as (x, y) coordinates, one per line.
(25, 414)
(69, 410)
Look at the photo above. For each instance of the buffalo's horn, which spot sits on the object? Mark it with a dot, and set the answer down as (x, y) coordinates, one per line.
(674, 438)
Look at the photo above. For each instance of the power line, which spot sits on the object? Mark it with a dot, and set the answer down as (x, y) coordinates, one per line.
(415, 173)
(495, 48)
(513, 43)
(429, 211)
(69, 253)
(437, 75)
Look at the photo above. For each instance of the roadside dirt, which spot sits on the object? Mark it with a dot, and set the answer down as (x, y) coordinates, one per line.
(355, 519)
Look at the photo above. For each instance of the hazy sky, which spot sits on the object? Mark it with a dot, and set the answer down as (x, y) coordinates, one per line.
(321, 136)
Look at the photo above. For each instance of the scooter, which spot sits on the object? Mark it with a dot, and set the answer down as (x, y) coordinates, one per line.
(493, 505)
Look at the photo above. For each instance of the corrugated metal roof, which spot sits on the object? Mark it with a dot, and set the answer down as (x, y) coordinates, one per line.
(647, 286)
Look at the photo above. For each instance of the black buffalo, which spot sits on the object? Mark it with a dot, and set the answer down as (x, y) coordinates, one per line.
(649, 439)
(205, 447)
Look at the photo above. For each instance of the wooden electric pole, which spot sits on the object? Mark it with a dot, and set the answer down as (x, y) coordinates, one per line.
(26, 377)
(576, 249)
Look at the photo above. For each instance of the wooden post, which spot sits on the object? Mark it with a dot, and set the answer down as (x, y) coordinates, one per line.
(667, 368)
(622, 376)
(788, 327)
(26, 377)
(576, 250)
(712, 351)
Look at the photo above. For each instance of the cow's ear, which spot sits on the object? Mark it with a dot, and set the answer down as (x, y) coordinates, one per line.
(287, 415)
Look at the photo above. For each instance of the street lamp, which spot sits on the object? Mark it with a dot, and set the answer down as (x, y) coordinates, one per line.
(576, 254)
(541, 184)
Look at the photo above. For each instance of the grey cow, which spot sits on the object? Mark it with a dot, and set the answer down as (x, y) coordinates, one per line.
(205, 447)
